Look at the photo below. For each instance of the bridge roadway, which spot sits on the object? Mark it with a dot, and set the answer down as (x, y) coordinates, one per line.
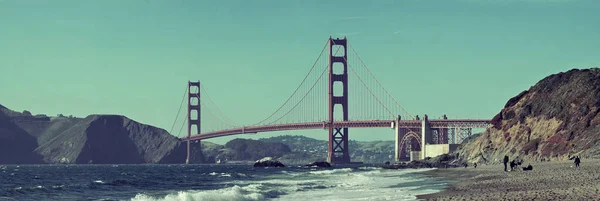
(411, 124)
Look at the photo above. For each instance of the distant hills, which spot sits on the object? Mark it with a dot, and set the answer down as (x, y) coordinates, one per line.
(97, 139)
(114, 139)
(557, 118)
(295, 150)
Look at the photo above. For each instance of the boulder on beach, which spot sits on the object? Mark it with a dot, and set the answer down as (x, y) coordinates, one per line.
(268, 162)
(319, 164)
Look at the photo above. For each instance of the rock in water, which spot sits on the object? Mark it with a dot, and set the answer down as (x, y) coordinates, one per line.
(556, 118)
(319, 164)
(268, 162)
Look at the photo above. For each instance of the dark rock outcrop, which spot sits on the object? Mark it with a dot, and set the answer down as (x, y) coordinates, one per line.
(268, 162)
(16, 145)
(102, 139)
(319, 164)
(556, 118)
(27, 138)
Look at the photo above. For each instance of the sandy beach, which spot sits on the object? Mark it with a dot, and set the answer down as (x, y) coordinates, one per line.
(556, 180)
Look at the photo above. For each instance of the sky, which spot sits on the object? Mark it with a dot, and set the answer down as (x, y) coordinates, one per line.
(462, 58)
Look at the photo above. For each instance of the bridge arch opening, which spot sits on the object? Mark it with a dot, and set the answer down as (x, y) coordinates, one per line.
(194, 101)
(338, 68)
(338, 112)
(338, 50)
(194, 89)
(193, 129)
(194, 114)
(338, 89)
(410, 142)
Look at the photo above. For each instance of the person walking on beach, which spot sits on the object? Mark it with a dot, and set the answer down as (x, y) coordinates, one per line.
(577, 161)
(505, 162)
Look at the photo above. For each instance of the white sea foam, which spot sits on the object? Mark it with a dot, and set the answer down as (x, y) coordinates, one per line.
(290, 173)
(376, 184)
(236, 193)
(370, 168)
(334, 171)
(334, 184)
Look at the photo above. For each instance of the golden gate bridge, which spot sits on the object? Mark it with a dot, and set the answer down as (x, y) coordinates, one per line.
(339, 92)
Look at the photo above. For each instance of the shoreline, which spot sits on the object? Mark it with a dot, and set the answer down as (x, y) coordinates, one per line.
(556, 180)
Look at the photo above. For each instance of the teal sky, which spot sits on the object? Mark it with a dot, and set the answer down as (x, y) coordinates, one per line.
(463, 58)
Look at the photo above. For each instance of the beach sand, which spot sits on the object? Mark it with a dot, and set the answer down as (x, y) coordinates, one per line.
(556, 180)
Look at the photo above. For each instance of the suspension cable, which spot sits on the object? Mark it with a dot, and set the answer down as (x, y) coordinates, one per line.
(301, 83)
(218, 109)
(410, 130)
(179, 110)
(366, 67)
(301, 99)
(311, 88)
(377, 99)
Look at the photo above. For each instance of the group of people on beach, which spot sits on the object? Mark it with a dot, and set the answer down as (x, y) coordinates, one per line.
(517, 163)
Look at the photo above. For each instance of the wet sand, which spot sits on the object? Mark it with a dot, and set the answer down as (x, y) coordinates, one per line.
(558, 180)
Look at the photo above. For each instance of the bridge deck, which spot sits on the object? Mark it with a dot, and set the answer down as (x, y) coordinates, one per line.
(412, 124)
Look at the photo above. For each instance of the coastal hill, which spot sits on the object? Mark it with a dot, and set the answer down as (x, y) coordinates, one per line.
(96, 139)
(26, 138)
(243, 150)
(294, 149)
(16, 145)
(310, 150)
(557, 118)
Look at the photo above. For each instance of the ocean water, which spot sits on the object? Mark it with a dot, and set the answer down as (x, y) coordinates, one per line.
(210, 183)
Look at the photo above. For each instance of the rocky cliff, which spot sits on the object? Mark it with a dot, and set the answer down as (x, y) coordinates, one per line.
(16, 146)
(112, 139)
(555, 119)
(95, 139)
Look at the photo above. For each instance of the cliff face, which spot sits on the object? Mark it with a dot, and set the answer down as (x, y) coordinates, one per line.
(95, 139)
(556, 118)
(102, 139)
(16, 146)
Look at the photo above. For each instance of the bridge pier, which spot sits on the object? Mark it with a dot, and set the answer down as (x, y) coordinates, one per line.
(398, 139)
(193, 120)
(407, 139)
(338, 137)
(425, 135)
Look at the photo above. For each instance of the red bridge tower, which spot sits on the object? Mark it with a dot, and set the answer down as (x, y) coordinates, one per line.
(338, 137)
(193, 113)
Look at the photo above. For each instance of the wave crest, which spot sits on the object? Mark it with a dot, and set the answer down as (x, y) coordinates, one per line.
(235, 193)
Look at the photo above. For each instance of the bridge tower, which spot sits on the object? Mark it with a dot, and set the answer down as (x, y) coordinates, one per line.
(338, 137)
(193, 113)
